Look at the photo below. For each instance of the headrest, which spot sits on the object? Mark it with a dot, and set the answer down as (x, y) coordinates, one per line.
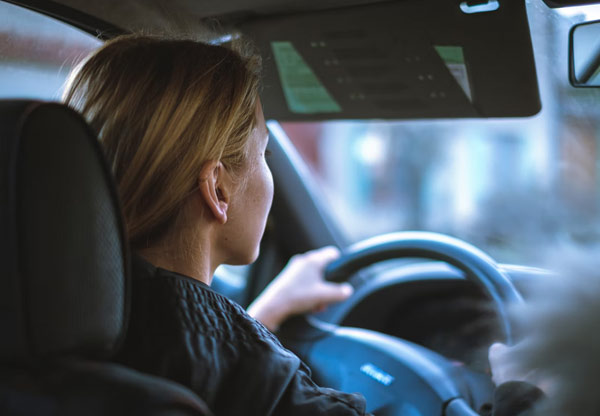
(63, 286)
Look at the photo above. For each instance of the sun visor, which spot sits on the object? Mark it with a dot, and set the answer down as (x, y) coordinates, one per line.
(407, 59)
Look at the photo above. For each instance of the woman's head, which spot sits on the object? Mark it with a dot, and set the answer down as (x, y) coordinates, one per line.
(163, 108)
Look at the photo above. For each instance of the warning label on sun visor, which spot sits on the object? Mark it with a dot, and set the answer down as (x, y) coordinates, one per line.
(454, 59)
(303, 91)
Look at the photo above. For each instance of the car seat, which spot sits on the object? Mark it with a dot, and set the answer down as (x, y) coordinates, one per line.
(64, 279)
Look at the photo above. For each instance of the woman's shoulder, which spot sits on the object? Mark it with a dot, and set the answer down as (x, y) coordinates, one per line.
(183, 330)
(195, 307)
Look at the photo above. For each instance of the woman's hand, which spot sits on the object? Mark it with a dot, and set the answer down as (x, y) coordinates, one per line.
(299, 288)
(505, 367)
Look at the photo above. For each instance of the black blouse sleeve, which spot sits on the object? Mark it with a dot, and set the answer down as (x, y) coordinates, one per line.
(303, 397)
(513, 398)
(182, 330)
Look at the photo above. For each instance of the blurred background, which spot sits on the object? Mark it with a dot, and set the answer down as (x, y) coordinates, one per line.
(514, 187)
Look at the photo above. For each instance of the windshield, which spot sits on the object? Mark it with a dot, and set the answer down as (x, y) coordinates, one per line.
(513, 187)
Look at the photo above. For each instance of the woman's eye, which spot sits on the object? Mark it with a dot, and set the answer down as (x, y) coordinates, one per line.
(267, 153)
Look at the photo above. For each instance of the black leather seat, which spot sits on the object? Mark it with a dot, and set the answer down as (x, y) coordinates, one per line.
(63, 284)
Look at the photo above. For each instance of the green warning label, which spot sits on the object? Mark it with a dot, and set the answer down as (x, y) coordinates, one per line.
(454, 58)
(451, 54)
(303, 91)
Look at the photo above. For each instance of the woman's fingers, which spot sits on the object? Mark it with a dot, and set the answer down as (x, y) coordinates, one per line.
(317, 259)
(497, 355)
(300, 288)
(333, 292)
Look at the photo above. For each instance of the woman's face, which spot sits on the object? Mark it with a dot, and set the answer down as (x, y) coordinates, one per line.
(250, 205)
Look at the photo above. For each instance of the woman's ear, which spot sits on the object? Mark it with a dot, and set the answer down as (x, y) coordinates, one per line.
(214, 184)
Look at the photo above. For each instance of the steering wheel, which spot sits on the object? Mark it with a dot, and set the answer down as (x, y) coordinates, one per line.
(398, 377)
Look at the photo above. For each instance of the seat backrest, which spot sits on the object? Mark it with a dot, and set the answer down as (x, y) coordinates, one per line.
(64, 280)
(62, 246)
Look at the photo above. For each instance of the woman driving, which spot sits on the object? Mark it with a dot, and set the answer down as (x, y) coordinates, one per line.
(183, 129)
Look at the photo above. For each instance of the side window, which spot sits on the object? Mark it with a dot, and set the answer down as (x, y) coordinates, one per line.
(37, 53)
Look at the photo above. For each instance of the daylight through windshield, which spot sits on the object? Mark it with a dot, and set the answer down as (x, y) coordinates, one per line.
(514, 187)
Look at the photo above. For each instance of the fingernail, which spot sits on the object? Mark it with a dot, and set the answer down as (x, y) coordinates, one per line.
(347, 289)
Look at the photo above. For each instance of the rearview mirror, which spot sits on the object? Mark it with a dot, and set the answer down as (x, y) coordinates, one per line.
(584, 55)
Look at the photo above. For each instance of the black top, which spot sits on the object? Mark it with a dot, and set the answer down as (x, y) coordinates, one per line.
(182, 330)
(514, 398)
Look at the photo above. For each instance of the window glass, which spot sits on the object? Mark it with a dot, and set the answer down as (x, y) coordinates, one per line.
(37, 53)
(513, 187)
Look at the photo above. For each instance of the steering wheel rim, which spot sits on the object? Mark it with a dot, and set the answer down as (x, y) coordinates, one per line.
(478, 267)
(310, 330)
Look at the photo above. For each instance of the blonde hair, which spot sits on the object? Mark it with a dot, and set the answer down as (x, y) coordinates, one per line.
(162, 108)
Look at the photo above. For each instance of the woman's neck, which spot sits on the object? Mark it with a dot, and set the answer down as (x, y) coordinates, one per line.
(187, 259)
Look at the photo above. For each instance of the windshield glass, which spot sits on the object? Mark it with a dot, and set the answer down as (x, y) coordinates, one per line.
(513, 187)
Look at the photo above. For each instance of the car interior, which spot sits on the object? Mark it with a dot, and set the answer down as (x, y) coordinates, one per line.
(412, 338)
